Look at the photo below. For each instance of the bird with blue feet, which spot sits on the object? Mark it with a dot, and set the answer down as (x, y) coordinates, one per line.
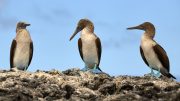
(152, 53)
(21, 52)
(89, 46)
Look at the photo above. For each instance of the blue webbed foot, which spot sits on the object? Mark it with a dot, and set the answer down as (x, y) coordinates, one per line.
(158, 74)
(95, 70)
(85, 69)
(14, 69)
(152, 73)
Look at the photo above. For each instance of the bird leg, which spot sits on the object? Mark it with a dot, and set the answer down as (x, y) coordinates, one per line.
(152, 73)
(158, 74)
(25, 68)
(96, 70)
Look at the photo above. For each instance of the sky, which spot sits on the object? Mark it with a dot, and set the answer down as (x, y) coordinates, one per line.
(53, 22)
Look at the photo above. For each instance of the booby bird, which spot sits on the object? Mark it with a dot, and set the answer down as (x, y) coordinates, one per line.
(152, 53)
(21, 48)
(89, 45)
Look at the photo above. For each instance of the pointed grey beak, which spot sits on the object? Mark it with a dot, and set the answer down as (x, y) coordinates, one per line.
(75, 32)
(28, 24)
(136, 27)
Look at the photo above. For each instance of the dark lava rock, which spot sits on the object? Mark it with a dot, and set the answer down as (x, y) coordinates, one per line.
(72, 72)
(75, 85)
(107, 89)
(69, 91)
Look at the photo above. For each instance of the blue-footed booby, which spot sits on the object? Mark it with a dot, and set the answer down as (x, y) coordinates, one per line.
(89, 45)
(21, 48)
(152, 53)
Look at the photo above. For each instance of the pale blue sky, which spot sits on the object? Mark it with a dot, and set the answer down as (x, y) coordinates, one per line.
(53, 22)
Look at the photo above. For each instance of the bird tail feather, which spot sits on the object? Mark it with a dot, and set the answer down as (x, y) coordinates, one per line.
(169, 75)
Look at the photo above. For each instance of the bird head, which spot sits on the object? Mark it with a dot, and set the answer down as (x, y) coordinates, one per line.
(22, 25)
(81, 25)
(147, 27)
(144, 26)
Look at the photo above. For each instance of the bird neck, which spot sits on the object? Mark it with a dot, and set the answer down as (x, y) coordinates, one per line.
(88, 30)
(149, 34)
(17, 29)
(23, 35)
(90, 27)
(20, 28)
(146, 38)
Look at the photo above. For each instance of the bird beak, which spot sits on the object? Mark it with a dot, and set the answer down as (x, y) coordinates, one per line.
(28, 24)
(136, 27)
(75, 32)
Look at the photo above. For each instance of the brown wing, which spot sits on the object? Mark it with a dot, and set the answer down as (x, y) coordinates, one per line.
(143, 57)
(12, 51)
(31, 53)
(98, 45)
(162, 56)
(80, 48)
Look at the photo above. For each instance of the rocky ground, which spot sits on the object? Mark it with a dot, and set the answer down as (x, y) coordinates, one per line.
(75, 85)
